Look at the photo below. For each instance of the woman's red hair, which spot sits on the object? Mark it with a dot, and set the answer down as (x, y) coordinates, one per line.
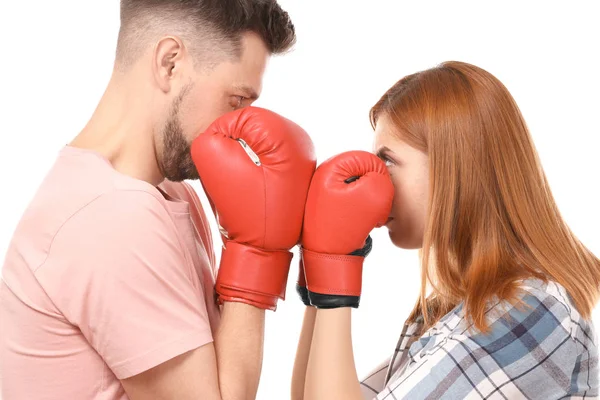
(492, 218)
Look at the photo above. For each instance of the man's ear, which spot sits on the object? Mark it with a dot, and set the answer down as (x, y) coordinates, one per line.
(167, 61)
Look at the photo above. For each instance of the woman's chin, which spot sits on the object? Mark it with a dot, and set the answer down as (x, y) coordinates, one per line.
(404, 241)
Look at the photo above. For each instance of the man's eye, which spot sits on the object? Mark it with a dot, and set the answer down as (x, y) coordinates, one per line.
(237, 102)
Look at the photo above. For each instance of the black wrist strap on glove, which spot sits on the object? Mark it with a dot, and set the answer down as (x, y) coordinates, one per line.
(366, 249)
(303, 293)
(328, 301)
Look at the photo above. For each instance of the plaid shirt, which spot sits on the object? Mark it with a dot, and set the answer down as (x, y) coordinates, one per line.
(545, 351)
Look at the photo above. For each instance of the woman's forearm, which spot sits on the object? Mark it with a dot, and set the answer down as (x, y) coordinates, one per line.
(302, 352)
(331, 373)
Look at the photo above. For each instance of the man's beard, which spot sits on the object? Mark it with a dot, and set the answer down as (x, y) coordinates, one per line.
(176, 162)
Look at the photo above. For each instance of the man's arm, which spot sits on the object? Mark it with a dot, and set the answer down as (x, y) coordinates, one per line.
(302, 353)
(244, 184)
(226, 370)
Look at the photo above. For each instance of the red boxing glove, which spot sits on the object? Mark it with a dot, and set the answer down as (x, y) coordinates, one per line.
(255, 167)
(350, 195)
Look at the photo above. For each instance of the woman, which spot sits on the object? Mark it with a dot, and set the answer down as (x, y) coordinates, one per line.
(507, 290)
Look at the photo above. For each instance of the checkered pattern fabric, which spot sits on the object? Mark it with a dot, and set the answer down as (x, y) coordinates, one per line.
(544, 350)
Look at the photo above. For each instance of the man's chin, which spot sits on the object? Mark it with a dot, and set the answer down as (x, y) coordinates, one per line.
(182, 176)
(191, 174)
(183, 171)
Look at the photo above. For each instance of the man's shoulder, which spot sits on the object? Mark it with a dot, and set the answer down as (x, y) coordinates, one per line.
(122, 205)
(78, 179)
(82, 209)
(55, 206)
(107, 216)
(79, 194)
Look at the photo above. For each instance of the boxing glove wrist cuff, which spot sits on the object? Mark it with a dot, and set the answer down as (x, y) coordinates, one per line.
(303, 293)
(333, 300)
(252, 275)
(332, 275)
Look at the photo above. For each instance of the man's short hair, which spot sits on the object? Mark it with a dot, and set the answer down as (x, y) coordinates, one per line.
(209, 27)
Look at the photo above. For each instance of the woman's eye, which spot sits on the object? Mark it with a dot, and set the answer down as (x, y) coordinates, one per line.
(388, 162)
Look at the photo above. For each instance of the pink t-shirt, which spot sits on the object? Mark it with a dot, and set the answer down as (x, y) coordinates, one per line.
(106, 277)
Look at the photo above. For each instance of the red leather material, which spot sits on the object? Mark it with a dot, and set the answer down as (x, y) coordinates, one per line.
(333, 274)
(301, 281)
(260, 206)
(340, 213)
(250, 270)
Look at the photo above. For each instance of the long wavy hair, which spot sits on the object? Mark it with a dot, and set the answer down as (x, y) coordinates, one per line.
(492, 219)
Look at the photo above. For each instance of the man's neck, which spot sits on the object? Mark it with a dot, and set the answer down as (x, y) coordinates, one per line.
(121, 130)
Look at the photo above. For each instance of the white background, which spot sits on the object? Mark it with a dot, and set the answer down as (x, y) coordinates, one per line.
(57, 58)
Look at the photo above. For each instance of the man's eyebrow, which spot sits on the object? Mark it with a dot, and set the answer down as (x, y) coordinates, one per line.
(248, 91)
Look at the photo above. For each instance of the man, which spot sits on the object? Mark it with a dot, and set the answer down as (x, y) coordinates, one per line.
(107, 288)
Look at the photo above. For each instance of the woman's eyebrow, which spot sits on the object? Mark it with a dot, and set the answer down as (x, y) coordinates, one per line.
(382, 151)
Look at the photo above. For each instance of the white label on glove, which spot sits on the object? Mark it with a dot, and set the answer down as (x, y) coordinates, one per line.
(249, 151)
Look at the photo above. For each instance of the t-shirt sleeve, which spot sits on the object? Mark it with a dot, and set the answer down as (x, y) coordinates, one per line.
(118, 271)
